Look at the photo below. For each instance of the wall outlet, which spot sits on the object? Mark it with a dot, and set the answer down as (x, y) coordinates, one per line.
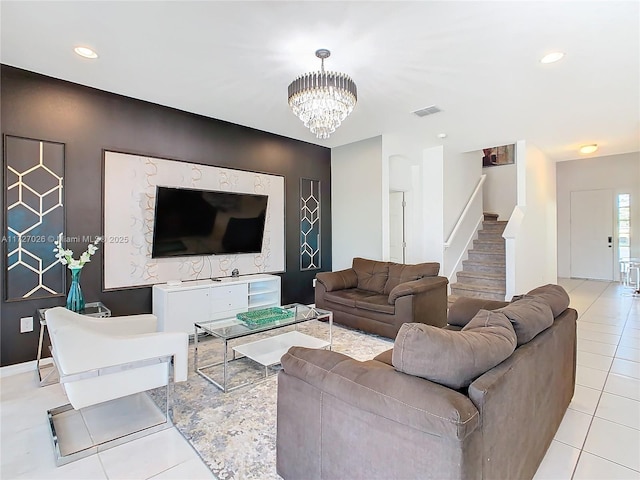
(314, 283)
(26, 324)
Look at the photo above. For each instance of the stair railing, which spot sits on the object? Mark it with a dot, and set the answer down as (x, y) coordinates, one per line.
(475, 196)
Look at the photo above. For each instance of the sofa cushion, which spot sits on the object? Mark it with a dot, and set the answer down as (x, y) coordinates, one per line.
(465, 308)
(385, 357)
(372, 275)
(529, 316)
(554, 295)
(400, 273)
(347, 297)
(451, 358)
(376, 303)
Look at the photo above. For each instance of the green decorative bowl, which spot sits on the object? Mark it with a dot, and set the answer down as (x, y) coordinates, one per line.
(256, 318)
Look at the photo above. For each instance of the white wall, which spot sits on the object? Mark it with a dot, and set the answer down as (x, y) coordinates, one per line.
(500, 190)
(357, 202)
(431, 227)
(461, 174)
(530, 235)
(619, 173)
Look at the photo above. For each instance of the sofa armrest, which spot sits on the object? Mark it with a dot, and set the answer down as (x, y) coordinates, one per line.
(339, 280)
(415, 287)
(378, 388)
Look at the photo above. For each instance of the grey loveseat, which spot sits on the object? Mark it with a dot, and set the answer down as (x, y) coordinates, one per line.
(339, 418)
(378, 297)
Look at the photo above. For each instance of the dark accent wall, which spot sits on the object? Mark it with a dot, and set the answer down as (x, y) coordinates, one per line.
(87, 121)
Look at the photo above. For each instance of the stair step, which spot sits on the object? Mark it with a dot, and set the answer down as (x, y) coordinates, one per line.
(482, 245)
(482, 279)
(490, 216)
(489, 267)
(490, 235)
(488, 256)
(475, 291)
(494, 226)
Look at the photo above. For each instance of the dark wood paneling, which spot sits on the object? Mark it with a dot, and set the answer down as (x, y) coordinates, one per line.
(89, 120)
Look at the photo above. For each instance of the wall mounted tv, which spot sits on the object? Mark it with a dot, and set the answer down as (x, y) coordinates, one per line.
(206, 222)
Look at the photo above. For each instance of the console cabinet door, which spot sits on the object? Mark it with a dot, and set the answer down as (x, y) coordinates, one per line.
(185, 307)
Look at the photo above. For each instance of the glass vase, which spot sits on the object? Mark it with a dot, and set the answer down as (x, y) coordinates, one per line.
(75, 300)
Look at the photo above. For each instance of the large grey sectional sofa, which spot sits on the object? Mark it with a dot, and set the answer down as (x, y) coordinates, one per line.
(378, 297)
(483, 402)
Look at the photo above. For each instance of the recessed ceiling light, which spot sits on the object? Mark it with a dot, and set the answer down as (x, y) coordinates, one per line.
(85, 52)
(442, 135)
(552, 57)
(588, 148)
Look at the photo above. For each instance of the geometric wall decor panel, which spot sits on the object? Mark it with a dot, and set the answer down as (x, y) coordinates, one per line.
(130, 185)
(34, 217)
(309, 224)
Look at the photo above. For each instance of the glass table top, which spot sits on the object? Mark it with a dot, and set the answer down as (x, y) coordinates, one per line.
(91, 309)
(230, 328)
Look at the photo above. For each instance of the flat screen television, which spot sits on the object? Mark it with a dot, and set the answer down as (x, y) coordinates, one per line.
(206, 222)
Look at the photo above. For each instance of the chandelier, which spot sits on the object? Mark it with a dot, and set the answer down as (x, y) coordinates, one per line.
(322, 100)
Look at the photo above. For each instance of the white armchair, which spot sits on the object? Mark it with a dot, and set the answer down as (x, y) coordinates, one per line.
(103, 359)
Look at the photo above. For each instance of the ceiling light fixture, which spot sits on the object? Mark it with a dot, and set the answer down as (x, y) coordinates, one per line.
(85, 52)
(588, 148)
(442, 135)
(552, 57)
(322, 100)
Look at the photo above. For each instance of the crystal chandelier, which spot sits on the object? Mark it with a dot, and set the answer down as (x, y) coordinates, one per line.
(322, 100)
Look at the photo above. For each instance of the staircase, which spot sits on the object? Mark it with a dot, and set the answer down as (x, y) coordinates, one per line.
(483, 273)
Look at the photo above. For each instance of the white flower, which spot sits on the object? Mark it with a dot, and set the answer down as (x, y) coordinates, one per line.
(65, 256)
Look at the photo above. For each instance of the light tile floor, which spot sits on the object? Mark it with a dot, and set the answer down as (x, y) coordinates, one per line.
(599, 437)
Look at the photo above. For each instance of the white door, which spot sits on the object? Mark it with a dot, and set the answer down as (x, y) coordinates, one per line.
(592, 234)
(396, 227)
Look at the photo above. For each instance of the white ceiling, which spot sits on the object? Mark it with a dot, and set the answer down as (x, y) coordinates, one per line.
(478, 61)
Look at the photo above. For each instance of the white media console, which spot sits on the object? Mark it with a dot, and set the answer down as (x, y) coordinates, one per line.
(179, 306)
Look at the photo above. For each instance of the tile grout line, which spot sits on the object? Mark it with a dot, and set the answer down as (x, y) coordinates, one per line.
(584, 441)
(601, 392)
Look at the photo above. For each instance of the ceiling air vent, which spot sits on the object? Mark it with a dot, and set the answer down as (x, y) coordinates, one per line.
(423, 112)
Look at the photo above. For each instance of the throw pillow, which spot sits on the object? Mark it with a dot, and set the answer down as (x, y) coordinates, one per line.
(372, 275)
(454, 358)
(529, 316)
(401, 273)
(465, 308)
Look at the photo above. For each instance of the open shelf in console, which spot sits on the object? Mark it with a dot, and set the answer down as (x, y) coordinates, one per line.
(264, 293)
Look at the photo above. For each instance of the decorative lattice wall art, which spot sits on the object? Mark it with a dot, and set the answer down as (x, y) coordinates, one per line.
(309, 224)
(34, 171)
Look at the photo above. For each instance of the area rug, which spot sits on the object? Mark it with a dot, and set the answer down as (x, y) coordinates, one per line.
(235, 432)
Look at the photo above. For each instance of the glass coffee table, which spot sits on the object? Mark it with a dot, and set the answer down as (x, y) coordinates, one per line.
(265, 351)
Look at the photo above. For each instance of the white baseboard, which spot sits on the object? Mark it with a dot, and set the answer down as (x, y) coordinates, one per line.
(19, 368)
